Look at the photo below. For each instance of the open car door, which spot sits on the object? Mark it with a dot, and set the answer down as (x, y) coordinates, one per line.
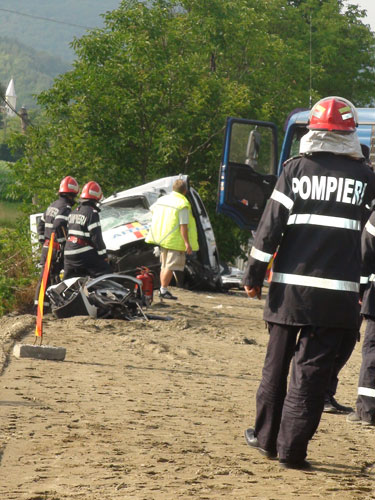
(248, 170)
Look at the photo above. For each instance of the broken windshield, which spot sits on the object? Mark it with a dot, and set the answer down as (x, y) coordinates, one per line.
(111, 217)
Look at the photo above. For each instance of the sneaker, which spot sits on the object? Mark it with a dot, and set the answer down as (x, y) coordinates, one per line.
(332, 406)
(167, 295)
(354, 418)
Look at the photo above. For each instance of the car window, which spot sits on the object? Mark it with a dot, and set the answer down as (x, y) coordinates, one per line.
(298, 133)
(111, 217)
(252, 145)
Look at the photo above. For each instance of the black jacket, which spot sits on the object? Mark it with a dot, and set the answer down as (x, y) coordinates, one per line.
(368, 268)
(55, 219)
(313, 220)
(84, 231)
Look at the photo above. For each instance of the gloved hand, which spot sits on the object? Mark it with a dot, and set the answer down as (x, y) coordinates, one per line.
(156, 251)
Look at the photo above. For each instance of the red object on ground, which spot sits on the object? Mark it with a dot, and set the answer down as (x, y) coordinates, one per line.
(147, 279)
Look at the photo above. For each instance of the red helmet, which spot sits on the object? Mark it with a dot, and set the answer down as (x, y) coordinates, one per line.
(335, 114)
(91, 191)
(69, 185)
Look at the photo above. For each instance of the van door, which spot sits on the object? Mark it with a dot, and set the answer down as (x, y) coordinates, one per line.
(207, 242)
(248, 170)
(34, 221)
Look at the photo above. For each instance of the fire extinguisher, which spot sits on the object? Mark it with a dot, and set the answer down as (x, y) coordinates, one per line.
(147, 279)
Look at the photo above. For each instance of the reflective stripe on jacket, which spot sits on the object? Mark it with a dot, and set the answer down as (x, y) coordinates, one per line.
(368, 268)
(313, 219)
(55, 219)
(84, 231)
(165, 226)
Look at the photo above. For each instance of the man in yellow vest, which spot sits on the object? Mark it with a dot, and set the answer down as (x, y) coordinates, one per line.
(174, 230)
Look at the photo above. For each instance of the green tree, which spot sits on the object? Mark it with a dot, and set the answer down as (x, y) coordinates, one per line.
(2, 102)
(149, 93)
(340, 45)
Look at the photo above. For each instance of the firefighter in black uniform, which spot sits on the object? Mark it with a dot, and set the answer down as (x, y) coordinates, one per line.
(314, 219)
(55, 219)
(347, 346)
(85, 253)
(365, 405)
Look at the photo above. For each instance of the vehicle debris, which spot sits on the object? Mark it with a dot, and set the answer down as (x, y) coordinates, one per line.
(115, 296)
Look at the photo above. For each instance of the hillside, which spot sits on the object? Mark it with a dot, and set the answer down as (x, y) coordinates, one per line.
(32, 71)
(52, 37)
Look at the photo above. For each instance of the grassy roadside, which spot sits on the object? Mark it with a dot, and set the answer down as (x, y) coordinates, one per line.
(9, 213)
(18, 272)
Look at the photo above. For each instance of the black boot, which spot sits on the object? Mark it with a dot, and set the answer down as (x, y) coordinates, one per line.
(332, 406)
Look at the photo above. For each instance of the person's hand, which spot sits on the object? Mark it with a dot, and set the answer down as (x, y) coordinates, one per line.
(253, 292)
(188, 249)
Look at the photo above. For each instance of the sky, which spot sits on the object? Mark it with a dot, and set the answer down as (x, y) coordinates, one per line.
(368, 5)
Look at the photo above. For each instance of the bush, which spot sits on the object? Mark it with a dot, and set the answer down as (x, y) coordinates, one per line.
(6, 154)
(18, 271)
(7, 179)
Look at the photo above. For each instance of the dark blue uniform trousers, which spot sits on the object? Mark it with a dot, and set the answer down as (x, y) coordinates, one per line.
(346, 350)
(85, 264)
(366, 384)
(287, 418)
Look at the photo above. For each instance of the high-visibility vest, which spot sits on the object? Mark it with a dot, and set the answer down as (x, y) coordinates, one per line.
(165, 226)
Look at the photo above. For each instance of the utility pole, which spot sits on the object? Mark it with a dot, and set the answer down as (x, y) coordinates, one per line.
(24, 119)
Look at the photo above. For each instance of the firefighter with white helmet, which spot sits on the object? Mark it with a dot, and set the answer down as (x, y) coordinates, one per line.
(55, 220)
(85, 252)
(314, 220)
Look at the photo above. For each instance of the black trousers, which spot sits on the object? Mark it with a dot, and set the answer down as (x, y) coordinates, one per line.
(341, 358)
(366, 384)
(54, 273)
(287, 418)
(85, 264)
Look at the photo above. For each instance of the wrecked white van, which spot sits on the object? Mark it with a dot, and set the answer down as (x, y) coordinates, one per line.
(125, 218)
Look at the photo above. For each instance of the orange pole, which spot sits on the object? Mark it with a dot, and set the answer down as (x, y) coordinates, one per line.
(42, 291)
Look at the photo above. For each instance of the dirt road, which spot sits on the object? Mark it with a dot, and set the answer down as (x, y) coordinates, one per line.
(157, 410)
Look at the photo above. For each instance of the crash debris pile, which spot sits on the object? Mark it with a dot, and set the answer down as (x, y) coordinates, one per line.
(108, 296)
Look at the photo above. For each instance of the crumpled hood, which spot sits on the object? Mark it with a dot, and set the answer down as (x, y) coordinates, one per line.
(320, 141)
